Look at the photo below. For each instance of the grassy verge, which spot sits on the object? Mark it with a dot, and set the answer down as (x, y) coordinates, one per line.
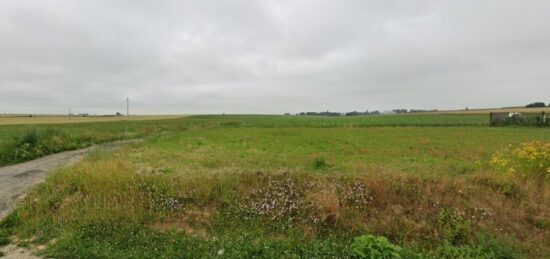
(244, 186)
(104, 208)
(19, 143)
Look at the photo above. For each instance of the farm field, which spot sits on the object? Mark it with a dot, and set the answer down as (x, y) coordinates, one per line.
(20, 143)
(55, 119)
(23, 142)
(487, 111)
(286, 186)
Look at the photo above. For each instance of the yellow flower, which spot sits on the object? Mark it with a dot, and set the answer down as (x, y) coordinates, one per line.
(527, 159)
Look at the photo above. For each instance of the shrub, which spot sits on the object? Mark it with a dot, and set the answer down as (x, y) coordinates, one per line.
(454, 229)
(319, 162)
(369, 246)
(529, 159)
(28, 146)
(6, 228)
(4, 237)
(30, 138)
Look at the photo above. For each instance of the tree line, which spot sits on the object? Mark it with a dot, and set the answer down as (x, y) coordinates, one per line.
(536, 104)
(359, 113)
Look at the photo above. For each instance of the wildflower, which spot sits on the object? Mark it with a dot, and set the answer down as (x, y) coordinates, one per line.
(528, 159)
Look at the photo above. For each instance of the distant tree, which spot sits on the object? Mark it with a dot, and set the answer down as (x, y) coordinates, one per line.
(421, 110)
(118, 114)
(535, 104)
(400, 110)
(353, 113)
(375, 113)
(326, 113)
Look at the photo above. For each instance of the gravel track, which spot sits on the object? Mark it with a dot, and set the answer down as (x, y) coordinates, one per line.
(16, 179)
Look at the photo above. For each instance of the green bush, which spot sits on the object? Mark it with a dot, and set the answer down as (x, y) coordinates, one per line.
(6, 227)
(369, 246)
(319, 163)
(453, 227)
(4, 237)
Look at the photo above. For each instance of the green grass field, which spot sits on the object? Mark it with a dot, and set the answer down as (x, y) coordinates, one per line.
(23, 142)
(285, 186)
(20, 143)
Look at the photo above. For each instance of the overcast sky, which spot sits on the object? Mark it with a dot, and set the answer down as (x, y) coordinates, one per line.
(271, 56)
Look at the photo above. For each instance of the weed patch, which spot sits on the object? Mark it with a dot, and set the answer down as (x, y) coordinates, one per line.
(319, 163)
(369, 246)
(454, 229)
(135, 241)
(529, 159)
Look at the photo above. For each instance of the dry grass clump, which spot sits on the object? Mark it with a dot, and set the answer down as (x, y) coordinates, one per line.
(324, 206)
(409, 208)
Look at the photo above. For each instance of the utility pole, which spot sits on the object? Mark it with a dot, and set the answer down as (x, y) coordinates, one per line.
(128, 107)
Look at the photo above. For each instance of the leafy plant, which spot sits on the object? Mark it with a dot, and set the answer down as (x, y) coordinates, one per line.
(369, 246)
(4, 237)
(453, 227)
(529, 159)
(485, 248)
(319, 163)
(6, 227)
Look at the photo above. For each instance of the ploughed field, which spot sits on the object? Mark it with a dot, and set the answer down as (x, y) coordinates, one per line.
(403, 186)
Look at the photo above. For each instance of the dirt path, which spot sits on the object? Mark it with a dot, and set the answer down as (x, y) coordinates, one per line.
(16, 179)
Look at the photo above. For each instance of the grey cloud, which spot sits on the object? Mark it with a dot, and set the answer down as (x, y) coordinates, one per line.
(271, 56)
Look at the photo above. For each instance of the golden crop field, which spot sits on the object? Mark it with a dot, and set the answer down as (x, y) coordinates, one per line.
(489, 110)
(56, 119)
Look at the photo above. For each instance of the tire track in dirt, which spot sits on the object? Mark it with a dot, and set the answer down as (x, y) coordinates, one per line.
(16, 179)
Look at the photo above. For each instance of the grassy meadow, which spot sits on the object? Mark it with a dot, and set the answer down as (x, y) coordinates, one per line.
(23, 142)
(403, 186)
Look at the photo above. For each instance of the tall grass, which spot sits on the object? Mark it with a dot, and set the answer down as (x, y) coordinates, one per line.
(406, 209)
(23, 143)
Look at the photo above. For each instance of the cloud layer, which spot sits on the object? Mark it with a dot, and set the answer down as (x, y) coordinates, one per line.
(271, 56)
